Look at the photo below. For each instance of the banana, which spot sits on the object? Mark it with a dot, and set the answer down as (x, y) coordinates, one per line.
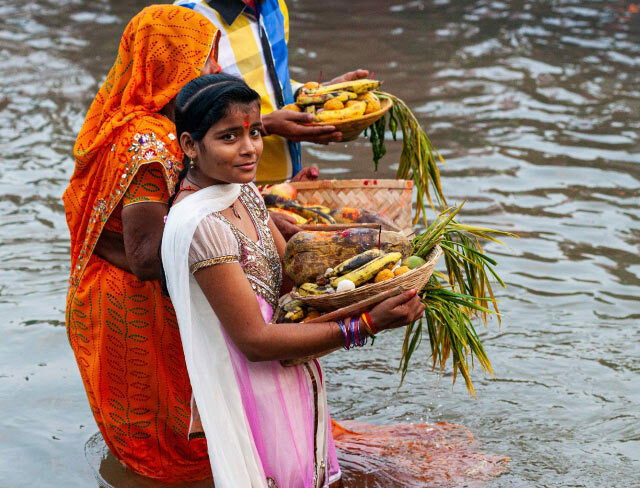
(307, 212)
(373, 102)
(355, 262)
(294, 311)
(366, 272)
(355, 86)
(351, 215)
(306, 289)
(352, 112)
(319, 208)
(319, 99)
(310, 109)
(294, 316)
(300, 220)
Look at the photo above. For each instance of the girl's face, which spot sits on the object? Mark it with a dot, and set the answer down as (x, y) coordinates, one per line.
(230, 150)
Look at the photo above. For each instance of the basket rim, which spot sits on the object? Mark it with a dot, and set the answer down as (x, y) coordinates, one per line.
(362, 183)
(434, 256)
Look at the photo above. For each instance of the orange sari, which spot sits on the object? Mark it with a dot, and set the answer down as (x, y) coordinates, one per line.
(123, 331)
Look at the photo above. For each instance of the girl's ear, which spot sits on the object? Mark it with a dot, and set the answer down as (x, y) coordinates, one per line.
(188, 145)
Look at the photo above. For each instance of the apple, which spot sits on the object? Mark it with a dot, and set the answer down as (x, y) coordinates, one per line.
(284, 190)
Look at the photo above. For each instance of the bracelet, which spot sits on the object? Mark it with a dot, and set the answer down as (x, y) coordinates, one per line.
(366, 318)
(359, 338)
(352, 333)
(345, 334)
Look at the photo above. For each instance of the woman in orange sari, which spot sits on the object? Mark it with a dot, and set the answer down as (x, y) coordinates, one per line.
(122, 330)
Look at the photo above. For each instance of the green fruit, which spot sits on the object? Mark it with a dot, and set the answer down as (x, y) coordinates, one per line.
(414, 262)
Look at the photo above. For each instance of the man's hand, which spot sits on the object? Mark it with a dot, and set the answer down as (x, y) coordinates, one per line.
(308, 173)
(285, 224)
(350, 76)
(289, 124)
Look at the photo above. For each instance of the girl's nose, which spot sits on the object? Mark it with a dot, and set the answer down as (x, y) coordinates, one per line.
(248, 146)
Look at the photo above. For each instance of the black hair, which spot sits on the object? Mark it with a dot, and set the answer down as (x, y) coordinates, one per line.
(204, 101)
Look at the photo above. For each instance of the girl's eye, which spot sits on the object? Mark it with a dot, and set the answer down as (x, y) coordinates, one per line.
(255, 133)
(229, 137)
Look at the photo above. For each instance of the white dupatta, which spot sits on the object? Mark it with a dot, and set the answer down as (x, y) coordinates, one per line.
(234, 459)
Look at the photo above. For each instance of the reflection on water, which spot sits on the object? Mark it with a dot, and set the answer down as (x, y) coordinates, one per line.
(535, 106)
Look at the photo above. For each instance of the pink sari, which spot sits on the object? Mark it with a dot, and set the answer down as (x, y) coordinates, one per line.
(266, 425)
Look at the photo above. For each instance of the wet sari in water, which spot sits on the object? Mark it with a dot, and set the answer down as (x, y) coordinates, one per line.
(123, 331)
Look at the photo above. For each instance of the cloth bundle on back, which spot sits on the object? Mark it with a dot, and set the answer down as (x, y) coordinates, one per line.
(122, 330)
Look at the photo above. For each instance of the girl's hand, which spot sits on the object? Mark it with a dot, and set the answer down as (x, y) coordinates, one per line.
(397, 311)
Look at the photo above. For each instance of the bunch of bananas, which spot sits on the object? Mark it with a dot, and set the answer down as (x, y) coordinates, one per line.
(373, 265)
(296, 311)
(338, 102)
(305, 213)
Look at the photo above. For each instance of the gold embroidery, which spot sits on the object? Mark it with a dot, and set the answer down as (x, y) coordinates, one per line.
(260, 260)
(230, 258)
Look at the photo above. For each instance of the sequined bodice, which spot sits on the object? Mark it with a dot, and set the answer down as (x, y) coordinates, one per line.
(260, 259)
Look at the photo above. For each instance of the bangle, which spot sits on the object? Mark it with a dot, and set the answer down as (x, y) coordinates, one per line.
(366, 318)
(359, 339)
(345, 334)
(263, 129)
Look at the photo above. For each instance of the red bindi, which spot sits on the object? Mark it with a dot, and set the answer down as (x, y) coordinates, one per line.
(246, 123)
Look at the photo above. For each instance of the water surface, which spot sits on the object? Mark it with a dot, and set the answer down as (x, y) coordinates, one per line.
(534, 104)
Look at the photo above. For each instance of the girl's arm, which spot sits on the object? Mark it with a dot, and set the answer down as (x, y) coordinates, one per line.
(234, 302)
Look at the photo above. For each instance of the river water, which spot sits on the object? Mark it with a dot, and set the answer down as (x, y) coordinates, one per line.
(535, 106)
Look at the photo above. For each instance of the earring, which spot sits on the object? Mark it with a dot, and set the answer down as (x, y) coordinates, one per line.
(192, 164)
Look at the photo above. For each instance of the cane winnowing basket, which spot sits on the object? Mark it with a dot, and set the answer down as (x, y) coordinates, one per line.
(416, 278)
(391, 198)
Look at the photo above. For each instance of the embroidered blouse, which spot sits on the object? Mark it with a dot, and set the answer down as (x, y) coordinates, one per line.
(217, 241)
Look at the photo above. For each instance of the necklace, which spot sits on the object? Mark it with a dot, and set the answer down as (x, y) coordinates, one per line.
(235, 212)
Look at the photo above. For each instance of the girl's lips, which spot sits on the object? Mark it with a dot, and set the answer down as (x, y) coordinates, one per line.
(247, 165)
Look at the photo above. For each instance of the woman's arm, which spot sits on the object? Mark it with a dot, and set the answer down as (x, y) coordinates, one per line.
(234, 302)
(142, 226)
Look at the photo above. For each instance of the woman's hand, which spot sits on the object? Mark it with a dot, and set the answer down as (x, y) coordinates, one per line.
(290, 125)
(350, 76)
(397, 311)
(285, 224)
(308, 173)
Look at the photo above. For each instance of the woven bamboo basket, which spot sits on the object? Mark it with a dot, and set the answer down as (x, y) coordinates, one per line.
(391, 198)
(416, 278)
(351, 129)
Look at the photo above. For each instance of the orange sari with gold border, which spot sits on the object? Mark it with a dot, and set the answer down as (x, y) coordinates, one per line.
(123, 331)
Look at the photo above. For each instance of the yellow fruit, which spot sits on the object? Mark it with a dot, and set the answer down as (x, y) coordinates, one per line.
(293, 107)
(299, 219)
(383, 275)
(310, 85)
(373, 102)
(343, 96)
(311, 315)
(366, 272)
(333, 104)
(355, 262)
(352, 112)
(352, 102)
(309, 289)
(401, 270)
(355, 86)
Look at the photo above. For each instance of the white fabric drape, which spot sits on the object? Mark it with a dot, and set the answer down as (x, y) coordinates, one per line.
(234, 460)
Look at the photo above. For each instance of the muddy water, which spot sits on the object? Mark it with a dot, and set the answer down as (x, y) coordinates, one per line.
(535, 106)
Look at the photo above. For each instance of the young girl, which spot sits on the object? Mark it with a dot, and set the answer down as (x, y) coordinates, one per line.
(266, 425)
